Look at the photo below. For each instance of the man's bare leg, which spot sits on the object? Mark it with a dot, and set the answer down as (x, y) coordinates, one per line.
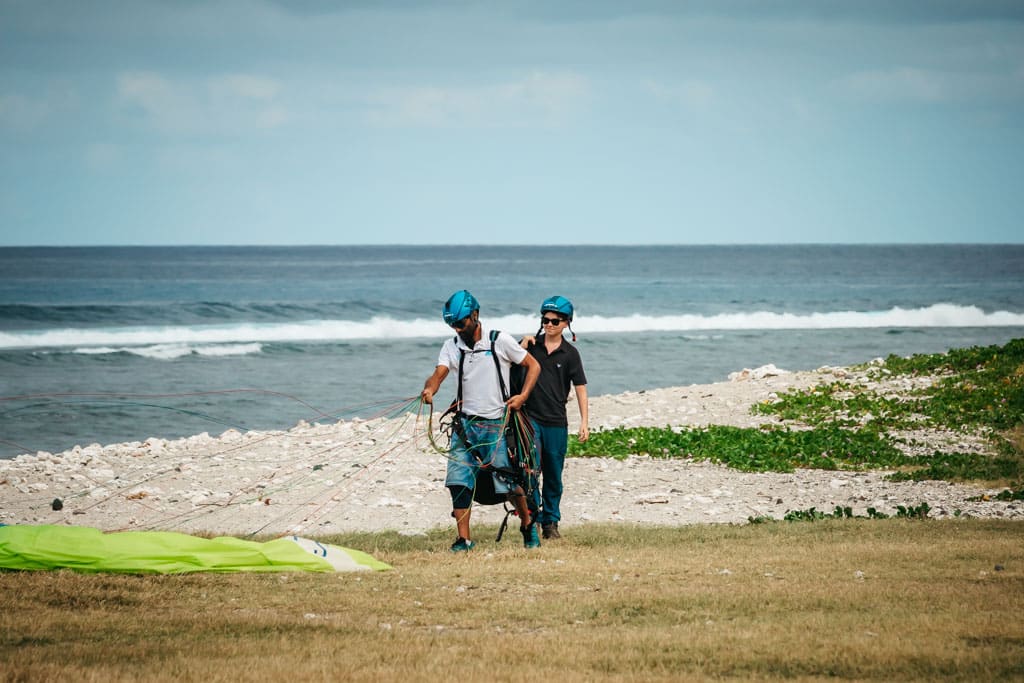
(462, 522)
(518, 499)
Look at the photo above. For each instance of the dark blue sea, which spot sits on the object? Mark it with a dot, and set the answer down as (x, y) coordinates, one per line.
(122, 343)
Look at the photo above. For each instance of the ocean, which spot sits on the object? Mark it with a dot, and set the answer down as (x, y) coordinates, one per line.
(111, 344)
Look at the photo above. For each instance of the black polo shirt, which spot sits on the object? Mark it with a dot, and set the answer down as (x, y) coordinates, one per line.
(558, 372)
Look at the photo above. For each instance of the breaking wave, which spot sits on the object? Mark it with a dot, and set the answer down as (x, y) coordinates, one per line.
(245, 338)
(172, 351)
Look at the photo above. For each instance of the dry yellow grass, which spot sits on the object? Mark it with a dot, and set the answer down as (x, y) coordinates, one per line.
(855, 599)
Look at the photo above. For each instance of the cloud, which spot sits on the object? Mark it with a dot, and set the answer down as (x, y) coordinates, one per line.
(222, 104)
(691, 94)
(245, 86)
(540, 99)
(901, 83)
(914, 84)
(102, 156)
(22, 112)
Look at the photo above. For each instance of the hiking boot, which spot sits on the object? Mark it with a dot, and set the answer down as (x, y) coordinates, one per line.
(530, 539)
(550, 530)
(462, 545)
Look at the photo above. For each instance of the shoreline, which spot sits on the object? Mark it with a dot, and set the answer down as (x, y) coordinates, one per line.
(377, 475)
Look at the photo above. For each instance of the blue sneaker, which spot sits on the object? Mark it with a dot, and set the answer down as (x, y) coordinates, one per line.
(462, 545)
(530, 537)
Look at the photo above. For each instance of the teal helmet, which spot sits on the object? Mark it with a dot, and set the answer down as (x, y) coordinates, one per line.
(460, 305)
(557, 304)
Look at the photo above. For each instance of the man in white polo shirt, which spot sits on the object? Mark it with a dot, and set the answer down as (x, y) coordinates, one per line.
(478, 440)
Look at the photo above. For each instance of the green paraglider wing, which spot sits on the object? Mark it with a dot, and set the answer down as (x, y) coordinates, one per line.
(164, 552)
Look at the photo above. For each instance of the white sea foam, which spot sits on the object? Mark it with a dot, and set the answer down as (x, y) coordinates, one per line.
(172, 342)
(172, 351)
(937, 315)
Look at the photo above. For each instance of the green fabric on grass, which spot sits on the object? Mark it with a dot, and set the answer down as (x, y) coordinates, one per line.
(24, 547)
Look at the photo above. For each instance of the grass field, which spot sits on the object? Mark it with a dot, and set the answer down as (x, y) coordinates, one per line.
(876, 600)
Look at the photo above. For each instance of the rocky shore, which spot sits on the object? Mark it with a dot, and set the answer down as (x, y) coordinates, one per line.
(385, 474)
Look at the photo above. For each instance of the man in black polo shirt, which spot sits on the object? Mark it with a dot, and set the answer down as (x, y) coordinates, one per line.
(561, 369)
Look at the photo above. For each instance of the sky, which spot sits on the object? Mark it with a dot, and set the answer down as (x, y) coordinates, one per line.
(158, 122)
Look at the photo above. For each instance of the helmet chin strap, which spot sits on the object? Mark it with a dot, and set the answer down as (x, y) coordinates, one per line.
(541, 332)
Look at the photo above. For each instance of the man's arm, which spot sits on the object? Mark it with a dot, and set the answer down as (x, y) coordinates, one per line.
(581, 399)
(433, 383)
(532, 373)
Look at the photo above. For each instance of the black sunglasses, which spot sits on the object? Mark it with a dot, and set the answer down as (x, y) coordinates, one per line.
(461, 324)
(544, 320)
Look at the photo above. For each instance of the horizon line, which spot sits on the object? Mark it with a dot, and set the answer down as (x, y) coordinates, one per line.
(312, 245)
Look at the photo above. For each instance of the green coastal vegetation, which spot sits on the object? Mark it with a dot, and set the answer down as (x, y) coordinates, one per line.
(870, 422)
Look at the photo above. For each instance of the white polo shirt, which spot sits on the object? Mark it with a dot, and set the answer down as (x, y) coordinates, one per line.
(481, 393)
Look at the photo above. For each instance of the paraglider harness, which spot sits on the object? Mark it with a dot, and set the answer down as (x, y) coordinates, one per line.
(518, 441)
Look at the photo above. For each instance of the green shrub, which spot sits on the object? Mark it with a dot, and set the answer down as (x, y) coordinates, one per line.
(749, 450)
(980, 389)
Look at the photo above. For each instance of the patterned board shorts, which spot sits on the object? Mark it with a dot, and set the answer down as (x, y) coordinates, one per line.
(486, 447)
